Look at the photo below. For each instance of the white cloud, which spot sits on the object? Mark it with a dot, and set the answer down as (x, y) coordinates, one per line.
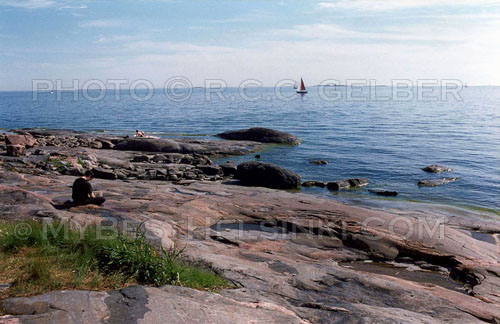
(468, 52)
(445, 31)
(41, 4)
(27, 4)
(383, 5)
(113, 39)
(103, 23)
(72, 7)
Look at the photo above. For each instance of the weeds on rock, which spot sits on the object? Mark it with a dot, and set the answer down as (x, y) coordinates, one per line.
(39, 257)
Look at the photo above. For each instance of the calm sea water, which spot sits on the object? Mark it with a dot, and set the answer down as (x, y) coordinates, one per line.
(386, 141)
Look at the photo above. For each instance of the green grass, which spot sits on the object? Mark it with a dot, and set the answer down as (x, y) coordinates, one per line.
(36, 258)
(58, 163)
(82, 163)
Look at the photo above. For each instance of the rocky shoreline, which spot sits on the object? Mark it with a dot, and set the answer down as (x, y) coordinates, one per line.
(294, 258)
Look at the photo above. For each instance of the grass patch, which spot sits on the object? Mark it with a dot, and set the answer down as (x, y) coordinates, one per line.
(36, 258)
(57, 163)
(82, 163)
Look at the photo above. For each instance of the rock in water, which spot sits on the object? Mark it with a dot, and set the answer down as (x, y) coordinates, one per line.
(319, 162)
(347, 183)
(268, 175)
(262, 135)
(434, 183)
(313, 183)
(381, 192)
(358, 182)
(436, 168)
(337, 185)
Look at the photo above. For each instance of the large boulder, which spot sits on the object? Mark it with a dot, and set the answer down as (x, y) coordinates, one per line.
(25, 140)
(229, 168)
(16, 150)
(262, 135)
(17, 144)
(102, 173)
(268, 175)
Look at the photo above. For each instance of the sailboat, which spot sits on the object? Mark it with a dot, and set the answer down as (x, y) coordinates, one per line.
(302, 88)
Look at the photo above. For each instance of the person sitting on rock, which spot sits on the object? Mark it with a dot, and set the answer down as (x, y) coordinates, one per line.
(139, 133)
(82, 191)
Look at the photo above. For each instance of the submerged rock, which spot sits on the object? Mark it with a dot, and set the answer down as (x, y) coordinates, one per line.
(347, 183)
(434, 183)
(314, 183)
(436, 168)
(260, 134)
(268, 175)
(381, 192)
(319, 162)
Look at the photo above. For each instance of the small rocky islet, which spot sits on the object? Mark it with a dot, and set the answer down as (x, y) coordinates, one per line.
(293, 257)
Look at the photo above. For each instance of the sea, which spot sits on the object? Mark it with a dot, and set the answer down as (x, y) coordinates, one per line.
(370, 132)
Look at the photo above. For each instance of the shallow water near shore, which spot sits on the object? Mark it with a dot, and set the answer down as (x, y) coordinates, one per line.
(388, 142)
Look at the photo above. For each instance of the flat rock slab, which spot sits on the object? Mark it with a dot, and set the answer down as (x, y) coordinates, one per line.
(186, 146)
(145, 305)
(435, 183)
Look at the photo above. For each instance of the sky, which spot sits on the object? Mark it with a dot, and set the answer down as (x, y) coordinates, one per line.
(236, 40)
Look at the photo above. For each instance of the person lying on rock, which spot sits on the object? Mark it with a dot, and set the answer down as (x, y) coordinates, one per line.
(82, 191)
(139, 133)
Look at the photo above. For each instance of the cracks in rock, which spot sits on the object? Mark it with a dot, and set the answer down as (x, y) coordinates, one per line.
(223, 240)
(348, 237)
(324, 307)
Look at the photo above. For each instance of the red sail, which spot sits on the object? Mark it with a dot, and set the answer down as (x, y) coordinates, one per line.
(302, 86)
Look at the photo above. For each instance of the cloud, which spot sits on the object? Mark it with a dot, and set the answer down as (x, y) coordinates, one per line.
(42, 4)
(28, 4)
(104, 23)
(447, 31)
(443, 49)
(72, 7)
(383, 5)
(252, 16)
(113, 39)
